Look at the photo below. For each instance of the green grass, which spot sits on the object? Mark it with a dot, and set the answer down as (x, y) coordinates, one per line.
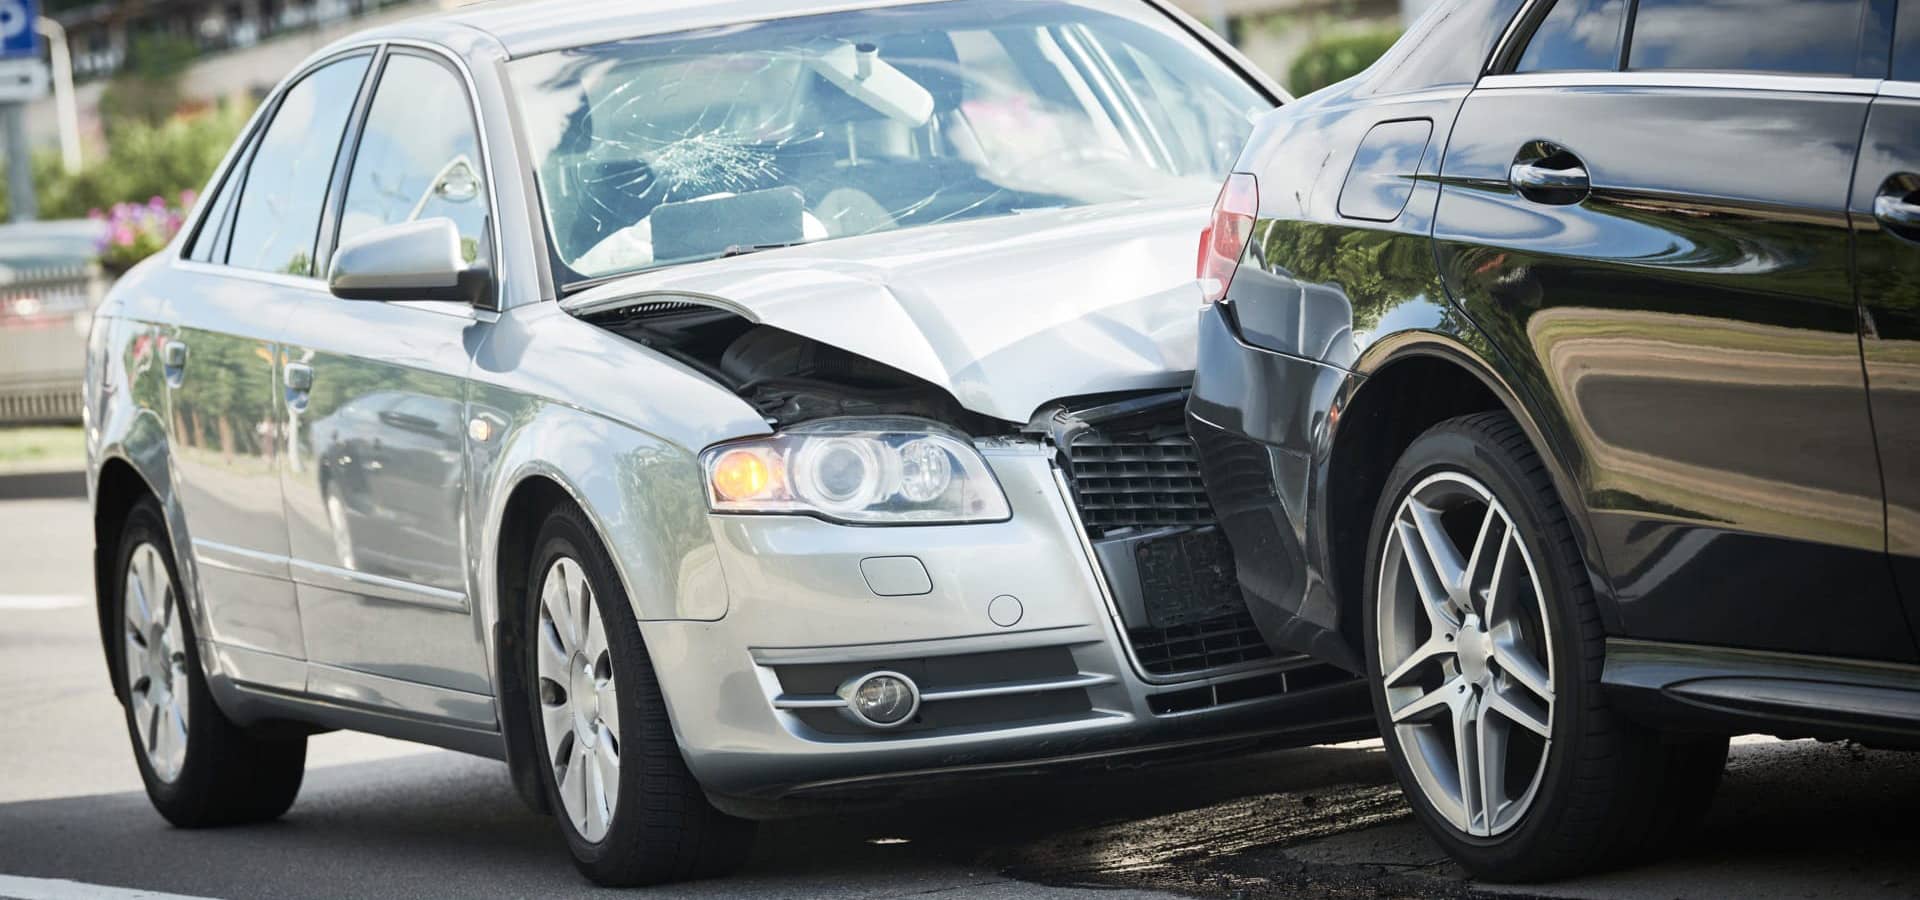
(37, 447)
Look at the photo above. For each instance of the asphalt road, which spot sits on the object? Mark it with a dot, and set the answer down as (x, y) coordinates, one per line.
(378, 818)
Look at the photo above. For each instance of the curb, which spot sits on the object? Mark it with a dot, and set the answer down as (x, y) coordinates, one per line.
(43, 485)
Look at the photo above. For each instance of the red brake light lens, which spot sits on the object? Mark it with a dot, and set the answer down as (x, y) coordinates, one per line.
(1226, 236)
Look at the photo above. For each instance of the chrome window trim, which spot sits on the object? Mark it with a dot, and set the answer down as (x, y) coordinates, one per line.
(1735, 81)
(279, 279)
(1503, 48)
(1904, 89)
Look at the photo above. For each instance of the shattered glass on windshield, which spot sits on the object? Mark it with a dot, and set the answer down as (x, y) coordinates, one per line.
(697, 145)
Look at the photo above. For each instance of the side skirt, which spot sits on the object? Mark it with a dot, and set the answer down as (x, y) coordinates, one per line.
(1691, 687)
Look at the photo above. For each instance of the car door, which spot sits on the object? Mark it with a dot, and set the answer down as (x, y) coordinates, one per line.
(1659, 242)
(251, 265)
(1886, 220)
(375, 478)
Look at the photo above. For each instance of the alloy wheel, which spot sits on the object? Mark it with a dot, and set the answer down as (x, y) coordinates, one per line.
(579, 703)
(155, 661)
(1465, 654)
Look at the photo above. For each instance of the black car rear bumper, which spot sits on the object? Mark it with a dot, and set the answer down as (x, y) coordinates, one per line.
(1261, 422)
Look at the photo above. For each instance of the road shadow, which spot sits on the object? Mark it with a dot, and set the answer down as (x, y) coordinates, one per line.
(444, 824)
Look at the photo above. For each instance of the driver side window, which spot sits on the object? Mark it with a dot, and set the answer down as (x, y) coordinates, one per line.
(419, 156)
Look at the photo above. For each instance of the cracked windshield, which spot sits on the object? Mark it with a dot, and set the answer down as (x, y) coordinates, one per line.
(693, 146)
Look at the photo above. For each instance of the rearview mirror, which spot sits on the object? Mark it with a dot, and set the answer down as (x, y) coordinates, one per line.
(409, 261)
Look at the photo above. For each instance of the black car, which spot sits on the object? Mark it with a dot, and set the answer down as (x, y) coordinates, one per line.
(1561, 374)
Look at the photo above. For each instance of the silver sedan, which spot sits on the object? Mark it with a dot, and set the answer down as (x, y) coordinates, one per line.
(713, 410)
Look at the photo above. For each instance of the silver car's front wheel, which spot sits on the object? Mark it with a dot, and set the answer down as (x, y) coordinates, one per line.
(1465, 653)
(155, 666)
(579, 699)
(630, 810)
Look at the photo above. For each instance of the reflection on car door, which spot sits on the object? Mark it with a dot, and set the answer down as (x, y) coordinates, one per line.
(1886, 221)
(1670, 249)
(375, 478)
(221, 360)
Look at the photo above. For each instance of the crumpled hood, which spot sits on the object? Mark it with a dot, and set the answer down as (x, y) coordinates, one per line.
(1005, 313)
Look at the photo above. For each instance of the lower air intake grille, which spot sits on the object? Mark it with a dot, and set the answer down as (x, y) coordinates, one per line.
(1208, 644)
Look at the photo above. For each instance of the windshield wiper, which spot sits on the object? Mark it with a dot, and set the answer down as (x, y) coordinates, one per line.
(744, 249)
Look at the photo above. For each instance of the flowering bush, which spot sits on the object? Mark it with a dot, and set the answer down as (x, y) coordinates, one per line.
(136, 231)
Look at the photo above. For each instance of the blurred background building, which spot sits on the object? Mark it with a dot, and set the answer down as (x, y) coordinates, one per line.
(233, 51)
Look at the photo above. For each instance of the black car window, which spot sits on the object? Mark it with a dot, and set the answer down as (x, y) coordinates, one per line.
(1576, 36)
(419, 156)
(1806, 37)
(286, 186)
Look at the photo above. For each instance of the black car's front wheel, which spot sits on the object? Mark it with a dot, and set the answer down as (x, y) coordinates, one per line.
(630, 810)
(1484, 648)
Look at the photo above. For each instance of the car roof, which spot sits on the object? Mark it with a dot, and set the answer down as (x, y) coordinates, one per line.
(526, 27)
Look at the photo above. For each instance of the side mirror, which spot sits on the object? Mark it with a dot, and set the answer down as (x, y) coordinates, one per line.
(409, 261)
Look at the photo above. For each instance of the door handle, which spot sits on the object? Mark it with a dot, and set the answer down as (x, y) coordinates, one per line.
(1897, 210)
(1545, 172)
(1557, 186)
(298, 378)
(173, 361)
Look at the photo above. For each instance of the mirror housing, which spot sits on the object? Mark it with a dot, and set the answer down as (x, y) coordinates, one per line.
(410, 261)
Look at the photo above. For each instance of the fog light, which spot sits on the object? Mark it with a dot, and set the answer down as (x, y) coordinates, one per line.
(882, 699)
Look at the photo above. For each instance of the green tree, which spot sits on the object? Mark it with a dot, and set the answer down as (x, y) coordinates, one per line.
(147, 91)
(1338, 58)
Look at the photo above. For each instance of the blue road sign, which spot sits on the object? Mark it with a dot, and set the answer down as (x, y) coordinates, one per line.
(17, 37)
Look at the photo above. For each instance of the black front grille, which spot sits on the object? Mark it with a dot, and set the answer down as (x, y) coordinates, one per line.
(1137, 484)
(1143, 485)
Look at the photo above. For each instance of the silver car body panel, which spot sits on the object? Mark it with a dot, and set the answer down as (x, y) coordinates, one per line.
(983, 308)
(391, 624)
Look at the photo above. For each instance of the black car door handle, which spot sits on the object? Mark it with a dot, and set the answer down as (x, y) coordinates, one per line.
(1557, 185)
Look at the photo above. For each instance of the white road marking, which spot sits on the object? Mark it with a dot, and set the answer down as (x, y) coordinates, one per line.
(29, 602)
(14, 887)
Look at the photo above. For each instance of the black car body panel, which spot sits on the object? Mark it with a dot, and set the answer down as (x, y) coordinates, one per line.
(1668, 279)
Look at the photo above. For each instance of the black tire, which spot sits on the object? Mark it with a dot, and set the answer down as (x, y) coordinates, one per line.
(1612, 791)
(663, 828)
(229, 776)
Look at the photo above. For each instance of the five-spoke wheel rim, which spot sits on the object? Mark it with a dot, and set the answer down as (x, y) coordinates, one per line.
(579, 707)
(1466, 654)
(155, 662)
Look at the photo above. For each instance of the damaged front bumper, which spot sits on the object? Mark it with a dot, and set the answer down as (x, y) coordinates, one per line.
(1021, 648)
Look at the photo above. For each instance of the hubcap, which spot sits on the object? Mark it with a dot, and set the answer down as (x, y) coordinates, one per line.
(579, 706)
(1466, 653)
(156, 662)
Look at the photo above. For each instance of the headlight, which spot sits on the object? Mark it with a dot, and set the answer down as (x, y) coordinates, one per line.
(863, 471)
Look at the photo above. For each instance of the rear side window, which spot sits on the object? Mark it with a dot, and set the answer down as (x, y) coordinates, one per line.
(279, 213)
(1805, 37)
(210, 242)
(1576, 36)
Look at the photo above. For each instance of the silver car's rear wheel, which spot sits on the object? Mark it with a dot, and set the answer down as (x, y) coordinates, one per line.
(579, 699)
(155, 667)
(1465, 654)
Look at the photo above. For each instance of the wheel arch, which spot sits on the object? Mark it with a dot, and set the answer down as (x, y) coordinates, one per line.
(1411, 382)
(120, 480)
